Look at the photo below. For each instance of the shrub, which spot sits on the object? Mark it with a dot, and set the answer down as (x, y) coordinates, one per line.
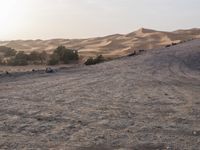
(93, 61)
(34, 56)
(66, 55)
(1, 61)
(37, 57)
(7, 51)
(21, 59)
(89, 61)
(99, 59)
(43, 57)
(54, 59)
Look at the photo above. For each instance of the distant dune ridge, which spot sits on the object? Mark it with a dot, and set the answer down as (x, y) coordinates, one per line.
(111, 46)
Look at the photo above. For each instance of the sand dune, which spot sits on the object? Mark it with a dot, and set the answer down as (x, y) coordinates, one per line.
(111, 46)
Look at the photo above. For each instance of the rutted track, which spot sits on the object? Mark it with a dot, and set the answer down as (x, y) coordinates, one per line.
(149, 101)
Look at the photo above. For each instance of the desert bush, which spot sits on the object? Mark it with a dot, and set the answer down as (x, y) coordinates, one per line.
(60, 55)
(37, 57)
(93, 61)
(54, 59)
(1, 61)
(34, 56)
(89, 61)
(99, 59)
(169, 45)
(21, 59)
(7, 51)
(43, 57)
(65, 55)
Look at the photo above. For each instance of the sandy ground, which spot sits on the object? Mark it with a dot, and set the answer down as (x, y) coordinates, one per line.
(112, 46)
(146, 102)
(38, 68)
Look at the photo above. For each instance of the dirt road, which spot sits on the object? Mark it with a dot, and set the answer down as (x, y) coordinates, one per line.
(145, 102)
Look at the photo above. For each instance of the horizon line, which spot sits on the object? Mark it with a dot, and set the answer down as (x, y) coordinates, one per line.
(47, 39)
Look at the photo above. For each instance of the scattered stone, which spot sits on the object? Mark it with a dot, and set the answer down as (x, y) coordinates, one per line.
(169, 148)
(7, 73)
(196, 133)
(49, 70)
(79, 121)
(141, 50)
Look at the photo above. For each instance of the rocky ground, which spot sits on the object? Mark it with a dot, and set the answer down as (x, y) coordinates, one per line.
(145, 102)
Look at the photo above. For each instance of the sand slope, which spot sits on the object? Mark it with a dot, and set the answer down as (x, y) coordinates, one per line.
(144, 102)
(110, 46)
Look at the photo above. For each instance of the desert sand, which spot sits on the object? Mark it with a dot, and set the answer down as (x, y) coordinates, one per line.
(111, 46)
(145, 102)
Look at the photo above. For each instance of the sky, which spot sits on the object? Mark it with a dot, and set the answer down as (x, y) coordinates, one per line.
(47, 19)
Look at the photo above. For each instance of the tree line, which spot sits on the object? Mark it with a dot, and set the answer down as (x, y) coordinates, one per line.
(61, 55)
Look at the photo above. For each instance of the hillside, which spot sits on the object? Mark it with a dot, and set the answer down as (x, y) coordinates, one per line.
(111, 46)
(144, 102)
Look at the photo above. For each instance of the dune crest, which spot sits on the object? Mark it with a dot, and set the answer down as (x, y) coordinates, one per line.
(111, 46)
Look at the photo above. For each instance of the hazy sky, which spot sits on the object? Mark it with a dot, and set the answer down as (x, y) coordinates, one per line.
(46, 19)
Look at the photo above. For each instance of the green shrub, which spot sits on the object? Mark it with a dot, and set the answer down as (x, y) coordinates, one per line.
(99, 59)
(60, 55)
(54, 59)
(1, 61)
(93, 61)
(43, 57)
(89, 61)
(7, 51)
(21, 59)
(66, 55)
(37, 57)
(34, 56)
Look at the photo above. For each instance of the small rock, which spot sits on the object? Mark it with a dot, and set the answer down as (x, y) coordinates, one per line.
(7, 73)
(79, 121)
(169, 148)
(141, 50)
(196, 133)
(49, 70)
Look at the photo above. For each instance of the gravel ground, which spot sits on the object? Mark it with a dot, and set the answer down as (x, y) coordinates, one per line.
(146, 102)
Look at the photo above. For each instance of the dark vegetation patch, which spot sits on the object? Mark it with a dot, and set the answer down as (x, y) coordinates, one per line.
(92, 61)
(60, 55)
(7, 51)
(63, 55)
(136, 52)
